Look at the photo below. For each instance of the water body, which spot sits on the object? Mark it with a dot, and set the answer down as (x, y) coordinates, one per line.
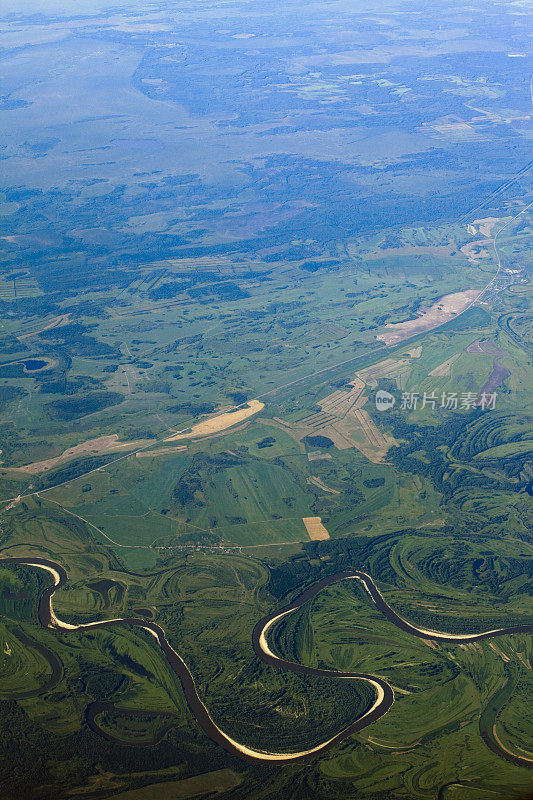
(33, 364)
(384, 692)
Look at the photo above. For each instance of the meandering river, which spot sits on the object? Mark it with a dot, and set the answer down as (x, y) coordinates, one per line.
(384, 695)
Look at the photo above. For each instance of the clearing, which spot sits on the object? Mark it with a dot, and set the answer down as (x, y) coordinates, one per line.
(102, 444)
(441, 311)
(317, 532)
(57, 322)
(314, 480)
(485, 225)
(476, 250)
(341, 418)
(220, 422)
(163, 451)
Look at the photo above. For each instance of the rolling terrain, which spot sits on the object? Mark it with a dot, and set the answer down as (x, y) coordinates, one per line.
(226, 570)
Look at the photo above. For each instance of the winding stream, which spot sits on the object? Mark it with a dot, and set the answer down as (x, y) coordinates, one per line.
(384, 695)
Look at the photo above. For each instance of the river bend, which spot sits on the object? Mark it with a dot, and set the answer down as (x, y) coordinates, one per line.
(384, 695)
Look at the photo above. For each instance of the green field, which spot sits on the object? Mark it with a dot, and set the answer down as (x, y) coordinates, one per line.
(205, 205)
(207, 538)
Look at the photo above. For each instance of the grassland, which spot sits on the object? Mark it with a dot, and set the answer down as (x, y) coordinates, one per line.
(208, 603)
(209, 535)
(214, 241)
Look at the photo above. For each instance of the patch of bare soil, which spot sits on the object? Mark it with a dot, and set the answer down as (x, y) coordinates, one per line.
(318, 455)
(486, 225)
(163, 451)
(342, 420)
(98, 446)
(221, 422)
(57, 322)
(476, 250)
(441, 311)
(317, 532)
(314, 480)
